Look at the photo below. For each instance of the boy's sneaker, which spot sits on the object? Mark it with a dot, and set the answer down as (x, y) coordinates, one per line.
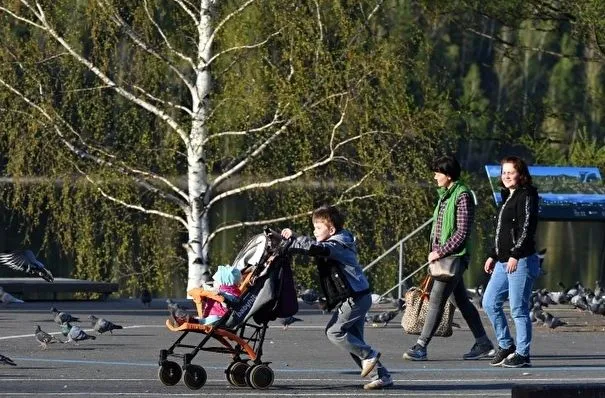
(368, 364)
(415, 353)
(379, 384)
(502, 354)
(516, 361)
(479, 351)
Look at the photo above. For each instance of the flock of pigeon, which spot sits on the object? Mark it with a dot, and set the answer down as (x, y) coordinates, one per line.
(578, 296)
(25, 261)
(311, 297)
(73, 333)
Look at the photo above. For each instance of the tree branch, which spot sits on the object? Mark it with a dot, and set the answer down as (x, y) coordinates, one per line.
(222, 23)
(129, 205)
(243, 47)
(270, 221)
(166, 41)
(185, 6)
(102, 76)
(161, 101)
(246, 132)
(506, 43)
(147, 48)
(82, 153)
(329, 158)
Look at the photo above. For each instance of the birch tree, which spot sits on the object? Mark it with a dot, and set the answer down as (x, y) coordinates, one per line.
(205, 101)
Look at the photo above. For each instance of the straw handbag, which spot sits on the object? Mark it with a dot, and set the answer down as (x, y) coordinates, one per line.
(417, 308)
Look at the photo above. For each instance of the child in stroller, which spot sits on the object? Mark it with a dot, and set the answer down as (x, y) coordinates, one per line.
(226, 284)
(266, 292)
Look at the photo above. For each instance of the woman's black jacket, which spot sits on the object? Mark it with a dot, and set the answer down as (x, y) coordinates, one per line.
(516, 224)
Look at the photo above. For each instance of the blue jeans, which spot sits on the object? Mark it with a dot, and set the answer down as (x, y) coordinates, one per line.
(515, 286)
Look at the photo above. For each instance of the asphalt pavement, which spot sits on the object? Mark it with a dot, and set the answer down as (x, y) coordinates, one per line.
(125, 363)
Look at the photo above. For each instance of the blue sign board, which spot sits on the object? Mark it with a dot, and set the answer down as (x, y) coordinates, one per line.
(566, 192)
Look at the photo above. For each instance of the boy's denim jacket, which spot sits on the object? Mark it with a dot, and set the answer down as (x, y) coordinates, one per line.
(335, 257)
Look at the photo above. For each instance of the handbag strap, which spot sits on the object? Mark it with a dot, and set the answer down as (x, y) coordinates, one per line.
(424, 287)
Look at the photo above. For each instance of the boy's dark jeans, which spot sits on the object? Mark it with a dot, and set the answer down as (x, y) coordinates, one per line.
(440, 293)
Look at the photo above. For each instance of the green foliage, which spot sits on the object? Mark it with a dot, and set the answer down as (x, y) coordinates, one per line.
(413, 79)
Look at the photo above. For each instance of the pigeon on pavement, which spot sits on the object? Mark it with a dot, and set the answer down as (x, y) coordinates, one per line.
(552, 321)
(286, 322)
(62, 317)
(76, 334)
(44, 338)
(383, 317)
(4, 360)
(102, 325)
(309, 296)
(174, 305)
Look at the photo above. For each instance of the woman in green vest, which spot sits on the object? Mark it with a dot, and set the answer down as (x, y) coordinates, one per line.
(451, 236)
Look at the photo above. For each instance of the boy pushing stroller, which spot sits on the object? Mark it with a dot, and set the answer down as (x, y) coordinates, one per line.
(346, 289)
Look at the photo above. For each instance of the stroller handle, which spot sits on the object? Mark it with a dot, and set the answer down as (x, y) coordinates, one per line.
(273, 233)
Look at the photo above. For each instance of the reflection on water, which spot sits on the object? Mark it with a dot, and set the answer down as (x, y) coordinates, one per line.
(575, 252)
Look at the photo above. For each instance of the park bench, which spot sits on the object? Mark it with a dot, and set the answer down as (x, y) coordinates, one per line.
(61, 288)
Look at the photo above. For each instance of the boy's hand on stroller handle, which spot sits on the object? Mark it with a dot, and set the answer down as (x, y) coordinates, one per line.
(272, 232)
(286, 233)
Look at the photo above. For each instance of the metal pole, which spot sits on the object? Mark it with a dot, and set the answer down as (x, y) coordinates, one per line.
(400, 269)
(403, 280)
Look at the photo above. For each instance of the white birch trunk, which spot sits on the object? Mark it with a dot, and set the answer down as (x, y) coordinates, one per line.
(197, 176)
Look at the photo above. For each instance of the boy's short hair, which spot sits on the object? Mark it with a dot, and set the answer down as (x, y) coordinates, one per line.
(329, 215)
(447, 165)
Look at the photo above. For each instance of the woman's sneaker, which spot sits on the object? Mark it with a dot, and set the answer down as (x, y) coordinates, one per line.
(415, 353)
(479, 351)
(502, 354)
(516, 361)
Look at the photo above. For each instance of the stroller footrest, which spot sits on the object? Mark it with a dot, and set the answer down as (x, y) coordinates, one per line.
(188, 326)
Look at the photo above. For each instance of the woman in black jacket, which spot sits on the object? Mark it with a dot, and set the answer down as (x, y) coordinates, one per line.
(513, 263)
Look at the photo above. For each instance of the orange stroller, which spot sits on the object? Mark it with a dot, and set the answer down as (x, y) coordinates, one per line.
(267, 292)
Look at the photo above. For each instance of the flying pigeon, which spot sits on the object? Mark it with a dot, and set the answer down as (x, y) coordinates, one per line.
(286, 322)
(25, 261)
(102, 325)
(4, 360)
(62, 317)
(44, 338)
(146, 297)
(76, 334)
(7, 298)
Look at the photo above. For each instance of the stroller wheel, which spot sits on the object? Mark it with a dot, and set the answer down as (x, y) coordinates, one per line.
(170, 373)
(195, 377)
(260, 376)
(236, 374)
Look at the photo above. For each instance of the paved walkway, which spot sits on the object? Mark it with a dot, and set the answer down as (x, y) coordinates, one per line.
(305, 363)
